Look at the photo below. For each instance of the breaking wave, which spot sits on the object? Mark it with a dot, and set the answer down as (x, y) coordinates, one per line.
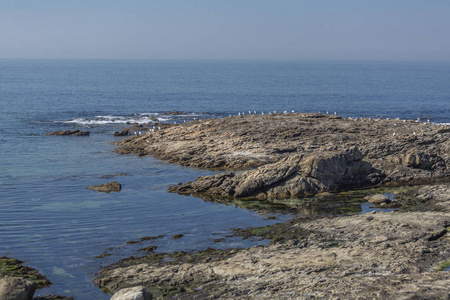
(140, 118)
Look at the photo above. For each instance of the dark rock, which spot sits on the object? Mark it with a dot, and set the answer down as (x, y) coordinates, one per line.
(124, 132)
(16, 288)
(107, 187)
(53, 297)
(177, 236)
(75, 132)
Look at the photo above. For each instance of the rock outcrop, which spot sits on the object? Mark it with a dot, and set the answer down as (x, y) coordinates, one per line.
(75, 132)
(112, 186)
(392, 152)
(293, 176)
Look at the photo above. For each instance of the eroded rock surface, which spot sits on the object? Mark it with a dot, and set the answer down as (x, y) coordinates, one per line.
(377, 255)
(293, 176)
(280, 146)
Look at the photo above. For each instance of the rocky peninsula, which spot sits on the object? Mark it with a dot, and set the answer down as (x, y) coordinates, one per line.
(400, 254)
(295, 155)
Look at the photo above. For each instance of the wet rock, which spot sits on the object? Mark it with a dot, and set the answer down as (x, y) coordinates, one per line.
(53, 297)
(112, 186)
(133, 293)
(124, 132)
(16, 288)
(75, 132)
(11, 267)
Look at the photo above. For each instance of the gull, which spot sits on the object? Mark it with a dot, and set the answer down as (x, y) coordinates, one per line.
(255, 112)
(393, 134)
(249, 112)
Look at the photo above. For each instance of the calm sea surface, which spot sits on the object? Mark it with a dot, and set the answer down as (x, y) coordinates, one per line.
(48, 218)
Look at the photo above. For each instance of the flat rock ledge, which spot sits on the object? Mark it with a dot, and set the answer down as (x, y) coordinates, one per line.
(75, 132)
(373, 256)
(292, 155)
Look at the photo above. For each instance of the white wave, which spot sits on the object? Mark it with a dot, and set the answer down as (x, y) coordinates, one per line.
(104, 120)
(139, 118)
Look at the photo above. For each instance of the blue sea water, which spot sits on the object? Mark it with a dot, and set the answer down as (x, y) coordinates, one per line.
(48, 218)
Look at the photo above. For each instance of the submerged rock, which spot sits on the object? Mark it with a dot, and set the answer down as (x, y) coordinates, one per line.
(112, 186)
(75, 132)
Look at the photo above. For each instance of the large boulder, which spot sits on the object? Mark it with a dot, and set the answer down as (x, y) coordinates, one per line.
(16, 288)
(133, 293)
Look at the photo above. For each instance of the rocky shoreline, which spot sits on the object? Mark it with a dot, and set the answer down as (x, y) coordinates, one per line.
(401, 254)
(382, 255)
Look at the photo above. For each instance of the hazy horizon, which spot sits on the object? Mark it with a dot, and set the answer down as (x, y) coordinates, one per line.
(286, 30)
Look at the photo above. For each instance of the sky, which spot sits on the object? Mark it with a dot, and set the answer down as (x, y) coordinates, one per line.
(375, 30)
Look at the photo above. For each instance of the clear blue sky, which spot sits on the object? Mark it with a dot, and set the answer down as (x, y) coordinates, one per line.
(409, 30)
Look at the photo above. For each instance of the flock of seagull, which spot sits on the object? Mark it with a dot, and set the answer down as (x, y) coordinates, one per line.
(241, 114)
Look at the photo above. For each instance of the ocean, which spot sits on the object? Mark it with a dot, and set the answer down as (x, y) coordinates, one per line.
(49, 220)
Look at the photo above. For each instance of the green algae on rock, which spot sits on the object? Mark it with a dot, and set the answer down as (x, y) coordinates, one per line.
(14, 268)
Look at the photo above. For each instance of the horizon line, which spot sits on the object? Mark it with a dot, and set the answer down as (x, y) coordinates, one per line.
(236, 59)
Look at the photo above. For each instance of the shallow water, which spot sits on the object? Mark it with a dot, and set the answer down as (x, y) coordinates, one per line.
(48, 218)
